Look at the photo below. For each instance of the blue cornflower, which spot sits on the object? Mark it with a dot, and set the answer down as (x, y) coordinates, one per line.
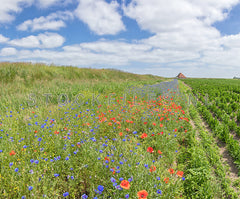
(159, 191)
(56, 175)
(127, 196)
(113, 180)
(130, 179)
(84, 196)
(100, 188)
(16, 170)
(65, 194)
(30, 188)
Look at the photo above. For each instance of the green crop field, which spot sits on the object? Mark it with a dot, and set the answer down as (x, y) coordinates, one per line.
(67, 132)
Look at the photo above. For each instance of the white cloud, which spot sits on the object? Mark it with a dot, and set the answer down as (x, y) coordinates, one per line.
(3, 39)
(9, 7)
(46, 40)
(54, 21)
(230, 41)
(101, 17)
(159, 16)
(8, 52)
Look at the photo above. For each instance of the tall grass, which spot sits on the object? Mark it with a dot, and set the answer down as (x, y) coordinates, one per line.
(19, 80)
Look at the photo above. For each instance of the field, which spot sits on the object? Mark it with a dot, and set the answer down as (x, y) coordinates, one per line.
(85, 133)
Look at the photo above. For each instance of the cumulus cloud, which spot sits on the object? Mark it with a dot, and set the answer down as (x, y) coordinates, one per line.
(54, 21)
(46, 40)
(9, 8)
(159, 16)
(8, 52)
(180, 24)
(101, 17)
(3, 39)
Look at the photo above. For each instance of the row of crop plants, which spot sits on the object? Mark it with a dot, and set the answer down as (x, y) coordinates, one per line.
(218, 120)
(202, 154)
(222, 103)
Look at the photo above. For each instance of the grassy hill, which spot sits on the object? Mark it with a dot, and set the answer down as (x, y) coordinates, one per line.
(19, 80)
(29, 73)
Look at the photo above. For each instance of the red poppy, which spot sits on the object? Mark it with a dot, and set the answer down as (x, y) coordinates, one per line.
(56, 132)
(166, 180)
(161, 125)
(113, 170)
(12, 153)
(144, 135)
(142, 194)
(152, 168)
(171, 171)
(125, 184)
(160, 152)
(120, 133)
(154, 124)
(106, 158)
(150, 149)
(180, 173)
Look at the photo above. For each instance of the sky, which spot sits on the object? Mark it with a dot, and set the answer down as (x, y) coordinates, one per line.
(200, 38)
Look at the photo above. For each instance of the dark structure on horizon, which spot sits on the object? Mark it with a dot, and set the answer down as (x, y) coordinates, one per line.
(236, 77)
(181, 76)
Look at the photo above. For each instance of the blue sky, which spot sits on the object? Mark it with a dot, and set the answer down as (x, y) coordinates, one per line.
(197, 38)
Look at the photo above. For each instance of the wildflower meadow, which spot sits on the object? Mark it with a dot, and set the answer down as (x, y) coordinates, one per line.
(63, 135)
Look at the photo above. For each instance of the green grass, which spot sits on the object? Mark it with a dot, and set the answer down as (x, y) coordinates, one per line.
(20, 80)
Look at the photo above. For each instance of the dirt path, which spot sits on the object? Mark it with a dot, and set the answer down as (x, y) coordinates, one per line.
(226, 158)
